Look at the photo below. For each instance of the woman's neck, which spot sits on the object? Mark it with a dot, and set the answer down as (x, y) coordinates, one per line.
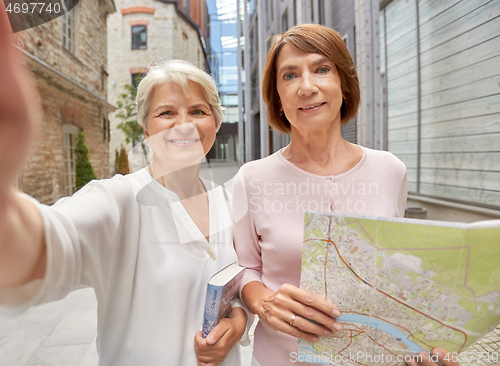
(322, 152)
(185, 182)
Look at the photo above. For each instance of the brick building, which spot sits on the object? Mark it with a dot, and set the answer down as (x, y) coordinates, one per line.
(144, 33)
(67, 58)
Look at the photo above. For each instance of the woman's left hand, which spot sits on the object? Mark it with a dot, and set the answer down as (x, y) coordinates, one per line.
(445, 358)
(213, 350)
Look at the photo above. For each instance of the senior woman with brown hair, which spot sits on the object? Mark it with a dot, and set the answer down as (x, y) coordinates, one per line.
(310, 87)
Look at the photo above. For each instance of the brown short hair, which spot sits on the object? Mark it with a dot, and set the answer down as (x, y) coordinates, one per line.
(310, 38)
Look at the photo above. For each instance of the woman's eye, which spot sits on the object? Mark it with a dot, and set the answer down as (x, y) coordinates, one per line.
(199, 112)
(288, 76)
(166, 113)
(323, 70)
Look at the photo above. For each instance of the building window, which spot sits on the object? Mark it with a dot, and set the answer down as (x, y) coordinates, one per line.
(69, 143)
(136, 79)
(187, 6)
(139, 37)
(68, 30)
(105, 129)
(284, 21)
(104, 80)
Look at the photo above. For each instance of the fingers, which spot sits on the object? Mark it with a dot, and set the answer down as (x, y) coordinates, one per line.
(313, 313)
(446, 358)
(311, 301)
(314, 316)
(214, 349)
(435, 358)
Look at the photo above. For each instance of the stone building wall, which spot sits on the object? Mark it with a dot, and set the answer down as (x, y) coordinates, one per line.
(72, 91)
(170, 35)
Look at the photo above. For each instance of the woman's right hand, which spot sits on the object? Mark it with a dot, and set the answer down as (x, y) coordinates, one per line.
(17, 110)
(22, 246)
(292, 310)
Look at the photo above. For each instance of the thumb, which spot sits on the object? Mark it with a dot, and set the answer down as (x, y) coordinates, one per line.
(216, 334)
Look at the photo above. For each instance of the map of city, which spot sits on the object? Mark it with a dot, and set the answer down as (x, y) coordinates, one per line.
(403, 285)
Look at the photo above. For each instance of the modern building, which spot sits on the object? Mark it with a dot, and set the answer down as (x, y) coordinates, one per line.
(440, 76)
(224, 67)
(67, 58)
(430, 93)
(144, 33)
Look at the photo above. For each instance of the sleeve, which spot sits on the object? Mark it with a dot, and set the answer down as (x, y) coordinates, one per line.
(80, 233)
(246, 240)
(403, 194)
(245, 338)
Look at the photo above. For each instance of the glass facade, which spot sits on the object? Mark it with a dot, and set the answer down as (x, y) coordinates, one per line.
(224, 66)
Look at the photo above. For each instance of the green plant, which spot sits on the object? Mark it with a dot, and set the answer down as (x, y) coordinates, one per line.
(127, 112)
(123, 162)
(83, 167)
(117, 158)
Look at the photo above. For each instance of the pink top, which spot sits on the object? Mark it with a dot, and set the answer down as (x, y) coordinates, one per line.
(269, 199)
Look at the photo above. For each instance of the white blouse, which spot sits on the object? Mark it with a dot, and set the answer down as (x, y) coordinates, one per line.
(132, 241)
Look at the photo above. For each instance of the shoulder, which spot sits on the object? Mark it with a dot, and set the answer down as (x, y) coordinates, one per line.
(118, 189)
(260, 168)
(383, 160)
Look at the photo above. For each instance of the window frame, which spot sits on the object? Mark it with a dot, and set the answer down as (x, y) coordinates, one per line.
(68, 30)
(69, 161)
(139, 45)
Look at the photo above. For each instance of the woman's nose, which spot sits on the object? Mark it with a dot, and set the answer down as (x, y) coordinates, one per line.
(185, 125)
(307, 85)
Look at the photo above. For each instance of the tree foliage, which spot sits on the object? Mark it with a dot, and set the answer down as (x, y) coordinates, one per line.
(123, 167)
(127, 112)
(83, 167)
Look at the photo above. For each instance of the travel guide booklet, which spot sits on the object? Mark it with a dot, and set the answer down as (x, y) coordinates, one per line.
(221, 289)
(403, 286)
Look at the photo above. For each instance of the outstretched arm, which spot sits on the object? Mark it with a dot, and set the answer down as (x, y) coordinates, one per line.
(22, 248)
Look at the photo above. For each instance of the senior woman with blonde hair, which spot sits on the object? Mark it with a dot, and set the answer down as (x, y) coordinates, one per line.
(146, 242)
(311, 89)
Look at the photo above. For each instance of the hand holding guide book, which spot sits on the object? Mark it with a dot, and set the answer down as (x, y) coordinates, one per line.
(221, 289)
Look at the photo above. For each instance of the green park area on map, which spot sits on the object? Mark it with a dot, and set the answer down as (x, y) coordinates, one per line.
(402, 285)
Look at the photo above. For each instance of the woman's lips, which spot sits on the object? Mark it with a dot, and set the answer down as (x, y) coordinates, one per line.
(184, 142)
(312, 107)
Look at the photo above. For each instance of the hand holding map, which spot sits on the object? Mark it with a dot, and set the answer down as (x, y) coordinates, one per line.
(294, 311)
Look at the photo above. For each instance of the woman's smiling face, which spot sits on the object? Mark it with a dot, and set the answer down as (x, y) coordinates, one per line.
(180, 126)
(309, 88)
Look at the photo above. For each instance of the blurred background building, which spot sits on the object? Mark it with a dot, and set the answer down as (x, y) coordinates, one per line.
(67, 58)
(224, 66)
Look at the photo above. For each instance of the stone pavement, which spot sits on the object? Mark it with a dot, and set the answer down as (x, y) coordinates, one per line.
(61, 333)
(485, 352)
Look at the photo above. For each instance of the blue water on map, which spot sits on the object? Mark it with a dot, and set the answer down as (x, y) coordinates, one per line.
(380, 324)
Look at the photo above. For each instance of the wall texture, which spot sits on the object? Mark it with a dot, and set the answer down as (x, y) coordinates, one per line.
(72, 89)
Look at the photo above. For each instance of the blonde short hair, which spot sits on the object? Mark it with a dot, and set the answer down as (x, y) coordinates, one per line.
(180, 72)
